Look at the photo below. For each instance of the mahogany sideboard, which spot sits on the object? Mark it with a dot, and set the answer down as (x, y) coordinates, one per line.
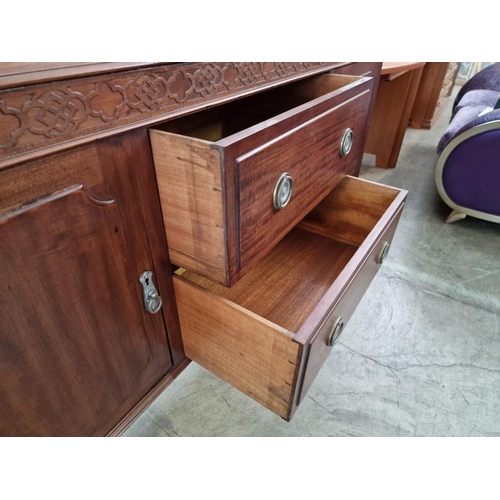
(249, 170)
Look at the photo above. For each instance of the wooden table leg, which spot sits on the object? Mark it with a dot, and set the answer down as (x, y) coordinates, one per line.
(392, 111)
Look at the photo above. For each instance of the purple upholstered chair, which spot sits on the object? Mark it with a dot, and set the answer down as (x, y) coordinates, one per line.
(468, 169)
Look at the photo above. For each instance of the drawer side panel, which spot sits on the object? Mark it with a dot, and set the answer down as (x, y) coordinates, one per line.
(253, 355)
(188, 173)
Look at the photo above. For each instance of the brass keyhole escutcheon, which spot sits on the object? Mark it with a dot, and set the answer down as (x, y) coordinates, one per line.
(152, 301)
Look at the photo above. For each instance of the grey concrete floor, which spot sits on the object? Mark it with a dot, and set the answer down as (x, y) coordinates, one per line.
(420, 356)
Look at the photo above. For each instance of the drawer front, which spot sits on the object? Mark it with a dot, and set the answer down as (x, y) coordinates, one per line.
(310, 153)
(343, 309)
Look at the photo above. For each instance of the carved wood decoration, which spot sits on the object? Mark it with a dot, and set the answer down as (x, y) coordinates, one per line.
(43, 116)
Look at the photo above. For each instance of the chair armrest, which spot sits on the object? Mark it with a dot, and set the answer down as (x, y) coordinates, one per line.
(465, 119)
(488, 78)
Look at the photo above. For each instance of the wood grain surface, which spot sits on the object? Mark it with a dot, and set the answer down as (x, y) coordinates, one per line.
(433, 90)
(285, 286)
(20, 74)
(351, 211)
(190, 183)
(79, 355)
(77, 348)
(346, 303)
(296, 291)
(310, 154)
(74, 108)
(217, 196)
(252, 354)
(395, 97)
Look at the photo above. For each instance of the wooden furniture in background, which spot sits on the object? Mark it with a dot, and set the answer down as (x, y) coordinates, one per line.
(81, 220)
(433, 92)
(395, 97)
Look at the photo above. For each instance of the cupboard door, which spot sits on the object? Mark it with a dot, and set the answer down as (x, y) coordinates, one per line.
(77, 348)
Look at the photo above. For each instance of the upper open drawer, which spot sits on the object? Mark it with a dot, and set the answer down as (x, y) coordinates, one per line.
(235, 179)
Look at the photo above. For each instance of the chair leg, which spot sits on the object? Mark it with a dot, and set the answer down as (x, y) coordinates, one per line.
(454, 216)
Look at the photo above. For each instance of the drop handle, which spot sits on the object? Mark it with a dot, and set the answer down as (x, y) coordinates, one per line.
(152, 300)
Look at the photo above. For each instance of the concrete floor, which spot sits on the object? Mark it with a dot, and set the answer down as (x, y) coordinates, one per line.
(421, 355)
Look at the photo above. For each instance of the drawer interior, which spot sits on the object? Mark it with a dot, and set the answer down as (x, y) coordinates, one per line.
(286, 285)
(225, 120)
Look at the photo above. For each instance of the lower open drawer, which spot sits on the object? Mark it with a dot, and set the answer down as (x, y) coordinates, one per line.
(269, 335)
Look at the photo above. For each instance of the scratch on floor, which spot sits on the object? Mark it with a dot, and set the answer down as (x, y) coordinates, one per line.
(168, 431)
(320, 405)
(474, 299)
(462, 394)
(495, 317)
(426, 221)
(430, 365)
(478, 277)
(225, 400)
(434, 240)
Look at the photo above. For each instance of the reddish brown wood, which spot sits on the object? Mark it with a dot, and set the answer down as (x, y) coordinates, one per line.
(224, 189)
(347, 301)
(359, 69)
(52, 116)
(78, 350)
(395, 97)
(434, 88)
(254, 355)
(290, 121)
(149, 399)
(20, 74)
(364, 69)
(130, 156)
(393, 70)
(310, 153)
(93, 213)
(319, 270)
(285, 286)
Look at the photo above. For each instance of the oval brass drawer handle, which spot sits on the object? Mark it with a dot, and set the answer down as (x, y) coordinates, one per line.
(283, 191)
(335, 332)
(383, 252)
(346, 142)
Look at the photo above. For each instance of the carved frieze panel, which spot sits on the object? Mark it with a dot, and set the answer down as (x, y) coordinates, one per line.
(45, 115)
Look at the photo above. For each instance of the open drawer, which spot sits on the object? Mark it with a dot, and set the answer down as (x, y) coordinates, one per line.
(269, 334)
(234, 179)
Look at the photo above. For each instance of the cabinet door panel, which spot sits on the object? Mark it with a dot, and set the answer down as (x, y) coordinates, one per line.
(77, 348)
